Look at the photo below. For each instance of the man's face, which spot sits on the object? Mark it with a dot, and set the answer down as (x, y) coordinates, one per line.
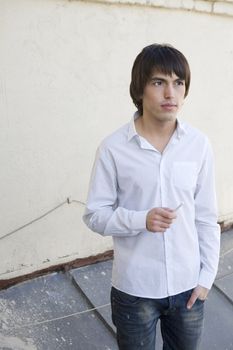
(163, 96)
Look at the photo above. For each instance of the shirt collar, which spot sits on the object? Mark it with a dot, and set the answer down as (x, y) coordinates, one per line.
(132, 130)
(180, 129)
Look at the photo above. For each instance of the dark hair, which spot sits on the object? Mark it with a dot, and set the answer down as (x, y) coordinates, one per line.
(164, 58)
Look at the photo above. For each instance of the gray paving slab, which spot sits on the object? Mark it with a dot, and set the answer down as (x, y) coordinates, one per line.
(50, 313)
(95, 282)
(226, 241)
(225, 265)
(82, 332)
(224, 279)
(226, 255)
(225, 284)
(39, 299)
(218, 328)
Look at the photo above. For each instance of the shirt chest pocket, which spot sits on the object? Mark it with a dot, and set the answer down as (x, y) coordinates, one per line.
(184, 175)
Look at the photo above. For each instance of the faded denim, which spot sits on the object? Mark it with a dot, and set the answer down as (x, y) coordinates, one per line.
(135, 319)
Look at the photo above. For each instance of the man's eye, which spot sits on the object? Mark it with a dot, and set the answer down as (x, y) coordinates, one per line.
(157, 83)
(180, 82)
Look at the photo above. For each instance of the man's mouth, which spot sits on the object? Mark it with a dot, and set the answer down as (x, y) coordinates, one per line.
(169, 105)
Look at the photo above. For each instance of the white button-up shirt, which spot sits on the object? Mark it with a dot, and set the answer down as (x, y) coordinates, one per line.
(129, 178)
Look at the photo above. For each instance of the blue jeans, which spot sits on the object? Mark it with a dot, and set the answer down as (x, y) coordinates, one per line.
(135, 319)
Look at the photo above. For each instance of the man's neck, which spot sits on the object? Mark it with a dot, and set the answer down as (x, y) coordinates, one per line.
(152, 127)
(158, 133)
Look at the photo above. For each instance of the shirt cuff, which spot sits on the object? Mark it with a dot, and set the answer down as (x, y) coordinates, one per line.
(139, 220)
(206, 279)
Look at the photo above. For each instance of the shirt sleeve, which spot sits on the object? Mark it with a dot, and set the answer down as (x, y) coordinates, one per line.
(102, 213)
(206, 220)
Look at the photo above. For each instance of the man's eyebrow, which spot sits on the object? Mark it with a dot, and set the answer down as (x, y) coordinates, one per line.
(157, 78)
(163, 79)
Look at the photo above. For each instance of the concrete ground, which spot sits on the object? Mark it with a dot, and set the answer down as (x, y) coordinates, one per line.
(71, 310)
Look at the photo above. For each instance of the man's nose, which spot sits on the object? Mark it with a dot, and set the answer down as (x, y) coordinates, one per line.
(169, 91)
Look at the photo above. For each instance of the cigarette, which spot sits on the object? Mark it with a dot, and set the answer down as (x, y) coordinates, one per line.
(180, 205)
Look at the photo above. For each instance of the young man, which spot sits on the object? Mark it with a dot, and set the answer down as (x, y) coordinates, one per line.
(152, 189)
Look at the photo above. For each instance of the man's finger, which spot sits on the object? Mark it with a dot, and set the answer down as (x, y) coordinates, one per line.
(167, 214)
(192, 300)
(161, 224)
(160, 218)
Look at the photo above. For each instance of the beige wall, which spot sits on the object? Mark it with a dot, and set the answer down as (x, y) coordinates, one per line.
(64, 76)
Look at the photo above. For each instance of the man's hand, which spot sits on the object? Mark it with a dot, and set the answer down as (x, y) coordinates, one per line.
(198, 293)
(159, 219)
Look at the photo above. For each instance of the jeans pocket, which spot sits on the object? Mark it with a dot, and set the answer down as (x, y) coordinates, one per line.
(123, 298)
(201, 300)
